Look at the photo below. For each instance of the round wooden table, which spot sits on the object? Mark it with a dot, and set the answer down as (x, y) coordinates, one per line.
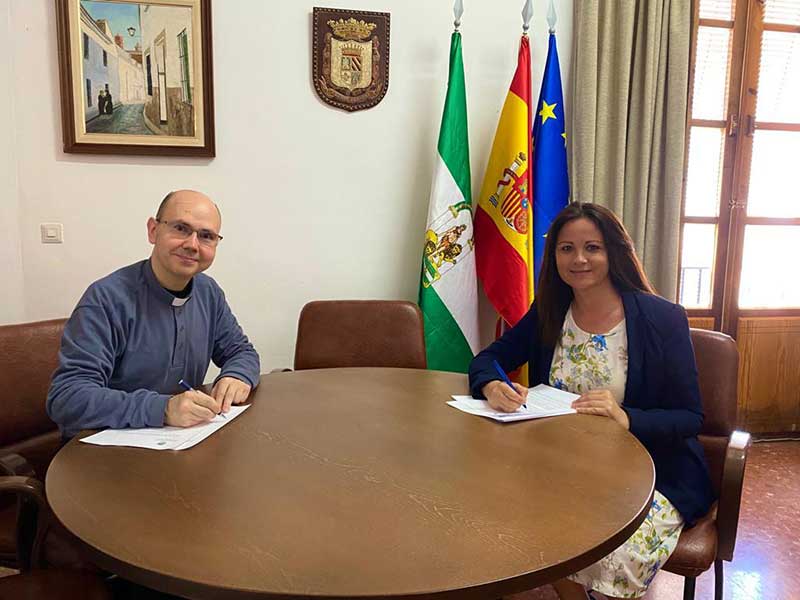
(342, 483)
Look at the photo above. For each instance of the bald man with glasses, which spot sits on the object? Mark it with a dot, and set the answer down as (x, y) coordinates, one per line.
(138, 332)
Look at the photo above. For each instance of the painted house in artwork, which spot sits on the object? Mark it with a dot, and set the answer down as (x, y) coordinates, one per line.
(131, 75)
(108, 66)
(100, 62)
(168, 68)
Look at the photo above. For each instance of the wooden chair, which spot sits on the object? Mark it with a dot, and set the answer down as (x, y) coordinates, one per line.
(33, 523)
(360, 333)
(713, 538)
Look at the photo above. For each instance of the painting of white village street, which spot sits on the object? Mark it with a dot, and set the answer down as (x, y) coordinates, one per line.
(138, 68)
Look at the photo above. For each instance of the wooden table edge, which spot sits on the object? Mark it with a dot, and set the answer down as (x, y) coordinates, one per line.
(514, 585)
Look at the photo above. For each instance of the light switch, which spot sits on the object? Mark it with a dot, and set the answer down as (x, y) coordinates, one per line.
(52, 233)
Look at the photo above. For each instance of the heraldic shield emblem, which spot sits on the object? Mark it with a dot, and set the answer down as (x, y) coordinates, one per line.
(351, 57)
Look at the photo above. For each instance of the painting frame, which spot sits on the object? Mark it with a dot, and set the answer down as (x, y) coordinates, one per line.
(76, 138)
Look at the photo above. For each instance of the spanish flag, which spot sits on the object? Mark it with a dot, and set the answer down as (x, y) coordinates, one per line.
(503, 227)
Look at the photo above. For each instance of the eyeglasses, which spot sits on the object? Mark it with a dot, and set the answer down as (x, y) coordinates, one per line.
(184, 231)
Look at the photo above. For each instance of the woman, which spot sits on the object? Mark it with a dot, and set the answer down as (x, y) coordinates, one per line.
(597, 329)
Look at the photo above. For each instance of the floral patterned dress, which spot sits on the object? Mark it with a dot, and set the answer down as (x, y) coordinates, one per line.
(585, 361)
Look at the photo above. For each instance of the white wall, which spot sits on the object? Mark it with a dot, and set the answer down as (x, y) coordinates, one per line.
(316, 203)
(12, 299)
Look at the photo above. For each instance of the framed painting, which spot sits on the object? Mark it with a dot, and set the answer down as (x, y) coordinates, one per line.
(136, 77)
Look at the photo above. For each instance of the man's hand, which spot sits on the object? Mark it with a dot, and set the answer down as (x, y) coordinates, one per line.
(191, 408)
(601, 402)
(503, 398)
(229, 390)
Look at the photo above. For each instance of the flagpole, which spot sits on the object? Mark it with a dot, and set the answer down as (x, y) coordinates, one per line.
(458, 10)
(550, 168)
(551, 16)
(448, 289)
(527, 13)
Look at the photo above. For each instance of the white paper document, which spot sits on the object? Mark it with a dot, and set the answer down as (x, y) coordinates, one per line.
(543, 401)
(164, 438)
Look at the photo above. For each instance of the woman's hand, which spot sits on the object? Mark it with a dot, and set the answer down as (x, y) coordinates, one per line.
(601, 402)
(503, 398)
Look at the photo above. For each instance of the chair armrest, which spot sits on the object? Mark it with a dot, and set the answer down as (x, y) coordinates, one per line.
(33, 518)
(14, 464)
(27, 487)
(730, 495)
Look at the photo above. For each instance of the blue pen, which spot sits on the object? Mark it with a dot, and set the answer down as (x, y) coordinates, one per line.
(505, 378)
(189, 388)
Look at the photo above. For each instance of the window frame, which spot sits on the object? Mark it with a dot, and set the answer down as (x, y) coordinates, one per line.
(183, 59)
(739, 125)
(148, 74)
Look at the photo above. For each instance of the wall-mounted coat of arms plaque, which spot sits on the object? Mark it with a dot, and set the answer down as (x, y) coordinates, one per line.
(351, 57)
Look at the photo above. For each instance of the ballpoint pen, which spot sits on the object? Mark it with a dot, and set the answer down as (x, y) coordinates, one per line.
(505, 378)
(189, 388)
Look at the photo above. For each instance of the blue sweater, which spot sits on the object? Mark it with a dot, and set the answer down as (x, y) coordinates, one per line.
(128, 343)
(662, 396)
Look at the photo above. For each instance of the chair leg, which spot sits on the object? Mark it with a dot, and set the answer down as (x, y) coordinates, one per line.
(719, 579)
(688, 588)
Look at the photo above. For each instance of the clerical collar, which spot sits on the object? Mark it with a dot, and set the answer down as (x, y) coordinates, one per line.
(164, 294)
(182, 294)
(181, 297)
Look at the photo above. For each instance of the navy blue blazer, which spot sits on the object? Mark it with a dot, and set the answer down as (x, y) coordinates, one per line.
(662, 396)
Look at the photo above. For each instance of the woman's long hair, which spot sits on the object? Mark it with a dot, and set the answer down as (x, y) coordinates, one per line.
(553, 296)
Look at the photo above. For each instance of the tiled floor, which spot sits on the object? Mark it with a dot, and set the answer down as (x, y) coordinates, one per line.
(766, 565)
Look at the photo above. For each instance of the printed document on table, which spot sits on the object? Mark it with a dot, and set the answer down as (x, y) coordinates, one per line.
(164, 438)
(543, 401)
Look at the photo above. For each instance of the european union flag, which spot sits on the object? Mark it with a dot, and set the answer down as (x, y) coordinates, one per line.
(550, 177)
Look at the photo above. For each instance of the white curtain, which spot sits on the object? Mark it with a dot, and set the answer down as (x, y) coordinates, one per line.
(630, 68)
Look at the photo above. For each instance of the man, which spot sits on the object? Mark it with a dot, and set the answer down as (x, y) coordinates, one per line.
(140, 330)
(101, 102)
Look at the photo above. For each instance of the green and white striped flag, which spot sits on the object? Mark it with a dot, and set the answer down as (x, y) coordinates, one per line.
(448, 294)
